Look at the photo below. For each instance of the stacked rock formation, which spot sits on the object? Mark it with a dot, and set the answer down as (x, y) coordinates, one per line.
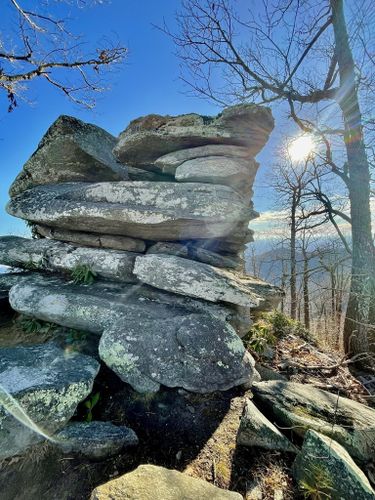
(159, 218)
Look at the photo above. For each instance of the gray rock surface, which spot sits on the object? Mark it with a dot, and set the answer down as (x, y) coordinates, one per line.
(191, 251)
(149, 137)
(93, 240)
(168, 163)
(95, 440)
(146, 210)
(256, 430)
(303, 407)
(40, 388)
(194, 279)
(62, 257)
(325, 466)
(71, 150)
(117, 294)
(149, 482)
(194, 351)
(237, 173)
(148, 339)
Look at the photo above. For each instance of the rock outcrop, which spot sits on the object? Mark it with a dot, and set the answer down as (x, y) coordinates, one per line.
(141, 244)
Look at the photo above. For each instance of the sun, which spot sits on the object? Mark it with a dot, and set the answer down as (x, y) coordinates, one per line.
(299, 149)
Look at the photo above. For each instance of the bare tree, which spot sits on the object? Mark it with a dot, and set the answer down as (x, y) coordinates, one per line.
(299, 53)
(38, 44)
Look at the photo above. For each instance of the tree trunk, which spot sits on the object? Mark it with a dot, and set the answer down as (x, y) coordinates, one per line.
(358, 316)
(306, 298)
(293, 270)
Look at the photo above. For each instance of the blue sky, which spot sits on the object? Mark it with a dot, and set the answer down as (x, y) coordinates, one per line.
(147, 83)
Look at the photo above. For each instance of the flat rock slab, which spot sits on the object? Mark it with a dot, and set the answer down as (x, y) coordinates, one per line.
(95, 440)
(194, 279)
(40, 388)
(146, 210)
(324, 465)
(237, 173)
(71, 150)
(189, 250)
(149, 482)
(303, 407)
(148, 339)
(256, 430)
(149, 137)
(93, 240)
(62, 257)
(168, 163)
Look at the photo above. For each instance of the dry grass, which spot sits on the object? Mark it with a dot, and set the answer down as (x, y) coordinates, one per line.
(12, 335)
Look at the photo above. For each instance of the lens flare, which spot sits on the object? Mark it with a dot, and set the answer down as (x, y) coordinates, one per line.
(301, 148)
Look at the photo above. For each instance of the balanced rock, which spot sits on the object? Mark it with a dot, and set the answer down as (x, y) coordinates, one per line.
(256, 430)
(303, 407)
(324, 465)
(149, 137)
(195, 279)
(149, 482)
(147, 340)
(71, 150)
(62, 257)
(95, 440)
(40, 388)
(92, 240)
(147, 210)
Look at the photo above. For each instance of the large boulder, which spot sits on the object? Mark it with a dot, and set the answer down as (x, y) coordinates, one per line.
(303, 407)
(149, 137)
(149, 482)
(62, 257)
(147, 210)
(91, 239)
(195, 279)
(256, 430)
(40, 388)
(71, 150)
(197, 352)
(149, 338)
(325, 467)
(95, 440)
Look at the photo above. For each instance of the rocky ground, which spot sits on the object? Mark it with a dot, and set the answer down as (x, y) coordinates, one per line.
(195, 434)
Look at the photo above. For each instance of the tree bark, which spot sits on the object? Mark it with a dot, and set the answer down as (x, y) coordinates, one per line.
(357, 329)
